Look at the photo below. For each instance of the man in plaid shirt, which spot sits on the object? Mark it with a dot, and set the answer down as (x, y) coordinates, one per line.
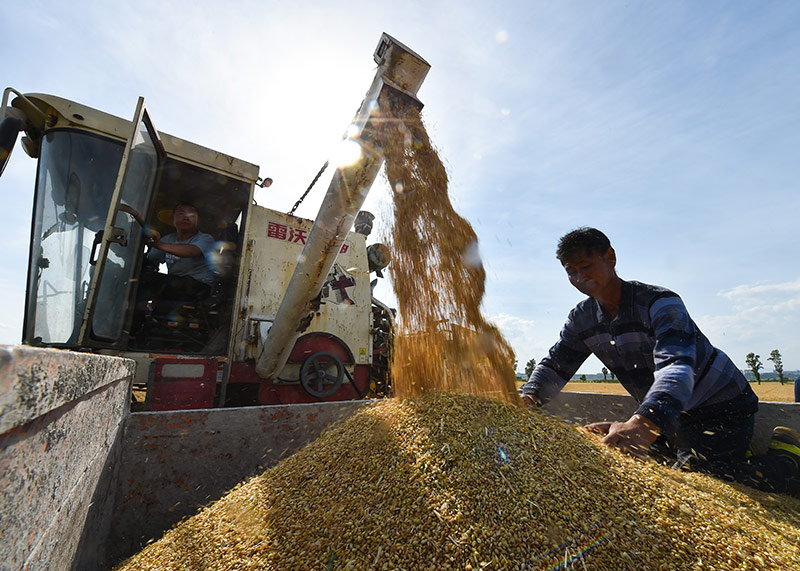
(690, 394)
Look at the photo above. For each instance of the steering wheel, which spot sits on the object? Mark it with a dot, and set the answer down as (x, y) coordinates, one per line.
(130, 210)
(322, 374)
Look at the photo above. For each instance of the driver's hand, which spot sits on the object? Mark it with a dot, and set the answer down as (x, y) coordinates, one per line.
(153, 235)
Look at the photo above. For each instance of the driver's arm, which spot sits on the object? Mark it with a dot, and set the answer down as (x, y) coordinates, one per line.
(180, 250)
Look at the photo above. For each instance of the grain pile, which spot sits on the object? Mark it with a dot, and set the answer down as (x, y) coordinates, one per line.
(449, 481)
(443, 343)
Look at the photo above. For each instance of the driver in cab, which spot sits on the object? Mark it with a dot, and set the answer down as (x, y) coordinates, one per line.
(184, 251)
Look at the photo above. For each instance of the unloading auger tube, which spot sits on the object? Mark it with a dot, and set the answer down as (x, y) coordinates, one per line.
(400, 70)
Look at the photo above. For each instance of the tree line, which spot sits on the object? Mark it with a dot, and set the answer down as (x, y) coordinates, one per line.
(753, 362)
(531, 365)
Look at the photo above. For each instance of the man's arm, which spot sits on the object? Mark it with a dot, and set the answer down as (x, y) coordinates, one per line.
(674, 356)
(180, 250)
(553, 372)
(153, 254)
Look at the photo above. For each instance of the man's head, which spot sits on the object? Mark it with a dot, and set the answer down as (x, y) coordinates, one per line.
(184, 217)
(589, 260)
(585, 241)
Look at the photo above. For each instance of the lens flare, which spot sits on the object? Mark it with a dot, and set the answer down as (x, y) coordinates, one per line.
(346, 153)
(576, 547)
(501, 454)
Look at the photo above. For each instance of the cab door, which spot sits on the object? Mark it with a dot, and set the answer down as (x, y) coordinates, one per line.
(117, 249)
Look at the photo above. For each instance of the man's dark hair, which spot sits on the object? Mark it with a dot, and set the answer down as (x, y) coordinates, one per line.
(584, 240)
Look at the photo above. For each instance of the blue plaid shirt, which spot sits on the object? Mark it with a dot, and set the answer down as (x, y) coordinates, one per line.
(652, 346)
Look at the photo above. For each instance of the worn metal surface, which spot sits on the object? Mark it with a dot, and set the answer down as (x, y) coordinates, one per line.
(173, 463)
(35, 381)
(277, 243)
(65, 113)
(594, 407)
(61, 415)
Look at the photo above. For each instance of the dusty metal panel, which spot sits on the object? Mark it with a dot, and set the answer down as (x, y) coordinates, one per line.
(73, 114)
(770, 415)
(584, 408)
(67, 113)
(50, 465)
(173, 463)
(278, 241)
(34, 381)
(209, 158)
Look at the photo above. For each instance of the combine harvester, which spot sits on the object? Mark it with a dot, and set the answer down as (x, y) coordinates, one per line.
(289, 341)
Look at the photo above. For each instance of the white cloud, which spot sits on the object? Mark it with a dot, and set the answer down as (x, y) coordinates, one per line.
(761, 318)
(514, 325)
(522, 335)
(745, 292)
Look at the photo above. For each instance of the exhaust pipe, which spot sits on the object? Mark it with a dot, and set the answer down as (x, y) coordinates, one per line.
(399, 70)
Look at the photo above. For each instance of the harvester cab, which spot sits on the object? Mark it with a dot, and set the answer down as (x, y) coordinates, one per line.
(270, 330)
(103, 183)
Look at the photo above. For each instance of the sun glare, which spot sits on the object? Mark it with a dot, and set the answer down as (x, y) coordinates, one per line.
(346, 153)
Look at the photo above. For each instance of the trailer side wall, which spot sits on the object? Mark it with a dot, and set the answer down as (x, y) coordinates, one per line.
(583, 408)
(174, 463)
(61, 415)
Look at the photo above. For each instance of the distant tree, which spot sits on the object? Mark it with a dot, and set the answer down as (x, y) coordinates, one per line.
(775, 357)
(530, 367)
(583, 378)
(754, 362)
(605, 373)
(613, 378)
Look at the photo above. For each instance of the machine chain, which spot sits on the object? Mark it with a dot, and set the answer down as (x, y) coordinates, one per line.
(310, 186)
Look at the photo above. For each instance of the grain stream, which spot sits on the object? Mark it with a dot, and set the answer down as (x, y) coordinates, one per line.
(443, 341)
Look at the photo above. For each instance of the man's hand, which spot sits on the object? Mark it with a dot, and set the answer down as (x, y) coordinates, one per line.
(632, 437)
(153, 236)
(532, 402)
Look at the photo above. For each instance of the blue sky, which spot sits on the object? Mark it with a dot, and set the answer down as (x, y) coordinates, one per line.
(672, 126)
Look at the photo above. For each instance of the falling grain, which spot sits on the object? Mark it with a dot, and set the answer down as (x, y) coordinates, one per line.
(444, 342)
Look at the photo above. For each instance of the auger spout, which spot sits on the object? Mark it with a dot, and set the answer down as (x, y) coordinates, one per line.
(400, 70)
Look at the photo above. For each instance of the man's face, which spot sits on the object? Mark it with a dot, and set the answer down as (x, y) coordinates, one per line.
(185, 218)
(593, 274)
